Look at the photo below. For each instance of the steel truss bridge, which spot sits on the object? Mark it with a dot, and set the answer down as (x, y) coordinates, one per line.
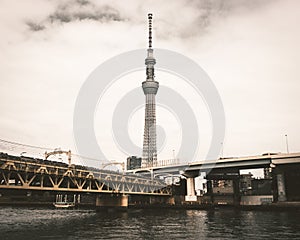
(22, 173)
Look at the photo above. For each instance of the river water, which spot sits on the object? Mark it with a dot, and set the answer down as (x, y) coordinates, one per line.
(41, 223)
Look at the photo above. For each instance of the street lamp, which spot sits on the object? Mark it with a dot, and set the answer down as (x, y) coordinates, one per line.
(222, 149)
(287, 143)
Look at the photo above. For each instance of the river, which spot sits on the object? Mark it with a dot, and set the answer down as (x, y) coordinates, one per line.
(41, 223)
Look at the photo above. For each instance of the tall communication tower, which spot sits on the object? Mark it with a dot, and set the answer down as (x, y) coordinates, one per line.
(150, 87)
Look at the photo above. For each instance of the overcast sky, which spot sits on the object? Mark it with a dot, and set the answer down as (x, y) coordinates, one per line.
(250, 50)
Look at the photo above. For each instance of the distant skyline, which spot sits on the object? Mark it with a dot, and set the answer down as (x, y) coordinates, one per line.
(250, 50)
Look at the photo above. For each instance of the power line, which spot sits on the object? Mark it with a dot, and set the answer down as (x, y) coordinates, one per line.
(13, 145)
(25, 145)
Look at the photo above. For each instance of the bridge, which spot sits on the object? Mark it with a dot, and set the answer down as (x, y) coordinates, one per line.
(32, 174)
(28, 174)
(284, 169)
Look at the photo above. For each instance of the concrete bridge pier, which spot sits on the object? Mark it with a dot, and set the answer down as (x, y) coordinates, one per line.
(112, 201)
(210, 193)
(190, 188)
(281, 187)
(236, 191)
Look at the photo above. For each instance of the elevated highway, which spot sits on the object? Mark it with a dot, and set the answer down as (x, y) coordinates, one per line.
(284, 169)
(208, 166)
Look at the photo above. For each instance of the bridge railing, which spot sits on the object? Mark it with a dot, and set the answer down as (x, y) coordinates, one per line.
(167, 162)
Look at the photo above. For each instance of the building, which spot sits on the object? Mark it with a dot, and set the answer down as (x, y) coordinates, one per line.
(223, 186)
(246, 183)
(267, 173)
(262, 187)
(133, 162)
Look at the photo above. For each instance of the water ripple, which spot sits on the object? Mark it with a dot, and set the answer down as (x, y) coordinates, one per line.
(32, 223)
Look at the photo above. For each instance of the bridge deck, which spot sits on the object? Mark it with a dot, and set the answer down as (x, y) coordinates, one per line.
(250, 162)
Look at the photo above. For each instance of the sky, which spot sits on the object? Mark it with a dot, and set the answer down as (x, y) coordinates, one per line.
(249, 49)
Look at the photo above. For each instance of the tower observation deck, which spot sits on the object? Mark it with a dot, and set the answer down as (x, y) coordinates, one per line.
(150, 87)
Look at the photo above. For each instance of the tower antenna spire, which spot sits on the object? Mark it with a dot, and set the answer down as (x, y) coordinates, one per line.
(150, 29)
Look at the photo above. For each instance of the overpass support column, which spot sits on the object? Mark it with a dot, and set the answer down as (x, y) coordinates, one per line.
(236, 191)
(210, 192)
(111, 201)
(281, 187)
(191, 195)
